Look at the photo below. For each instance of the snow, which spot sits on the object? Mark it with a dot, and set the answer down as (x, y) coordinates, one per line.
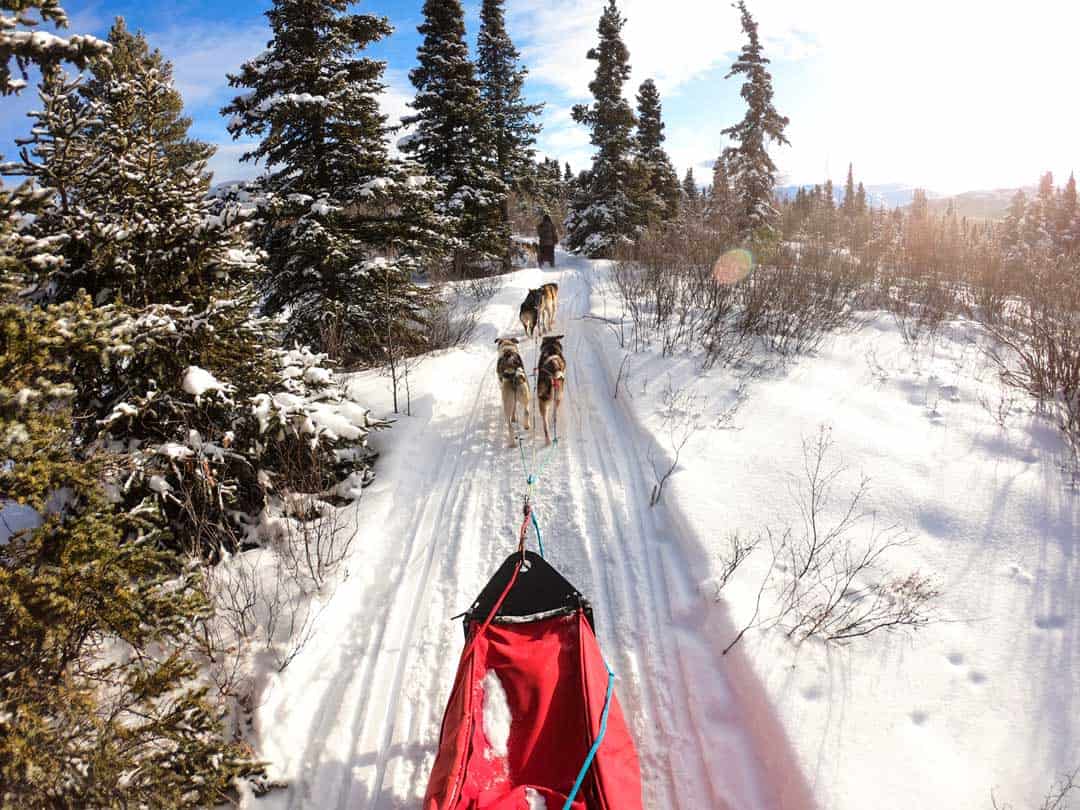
(159, 485)
(199, 382)
(535, 800)
(497, 718)
(982, 700)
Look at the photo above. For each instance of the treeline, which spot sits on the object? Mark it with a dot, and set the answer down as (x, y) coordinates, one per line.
(169, 393)
(695, 285)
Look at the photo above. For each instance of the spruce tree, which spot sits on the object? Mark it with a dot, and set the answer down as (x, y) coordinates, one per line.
(513, 121)
(345, 226)
(20, 49)
(1068, 214)
(603, 215)
(860, 200)
(660, 200)
(849, 193)
(161, 115)
(690, 188)
(454, 139)
(131, 220)
(721, 205)
(751, 169)
(83, 727)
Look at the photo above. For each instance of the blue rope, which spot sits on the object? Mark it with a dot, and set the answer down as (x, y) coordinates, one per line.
(539, 538)
(596, 743)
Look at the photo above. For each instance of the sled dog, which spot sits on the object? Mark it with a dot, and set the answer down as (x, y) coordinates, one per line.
(550, 381)
(549, 303)
(530, 312)
(513, 383)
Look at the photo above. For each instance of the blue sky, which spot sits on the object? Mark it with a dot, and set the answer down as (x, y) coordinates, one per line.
(948, 94)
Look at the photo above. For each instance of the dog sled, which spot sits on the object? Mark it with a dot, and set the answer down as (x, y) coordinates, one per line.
(532, 722)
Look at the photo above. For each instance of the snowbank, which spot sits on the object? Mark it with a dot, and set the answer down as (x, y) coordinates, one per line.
(984, 699)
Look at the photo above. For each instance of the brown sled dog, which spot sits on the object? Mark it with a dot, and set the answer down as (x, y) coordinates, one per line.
(550, 381)
(513, 384)
(549, 304)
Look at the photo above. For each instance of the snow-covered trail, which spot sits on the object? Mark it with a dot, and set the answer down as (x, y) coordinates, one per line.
(354, 721)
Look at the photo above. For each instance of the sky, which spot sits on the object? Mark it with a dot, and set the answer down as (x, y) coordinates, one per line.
(950, 95)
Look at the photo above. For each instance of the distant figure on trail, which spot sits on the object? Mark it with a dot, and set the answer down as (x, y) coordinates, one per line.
(549, 237)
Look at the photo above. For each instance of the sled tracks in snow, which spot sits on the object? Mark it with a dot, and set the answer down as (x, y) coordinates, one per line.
(387, 674)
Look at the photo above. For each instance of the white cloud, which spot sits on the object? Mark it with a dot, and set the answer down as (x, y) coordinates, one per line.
(672, 42)
(202, 55)
(394, 103)
(226, 165)
(954, 95)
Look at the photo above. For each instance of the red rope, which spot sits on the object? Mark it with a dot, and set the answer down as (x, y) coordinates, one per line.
(494, 610)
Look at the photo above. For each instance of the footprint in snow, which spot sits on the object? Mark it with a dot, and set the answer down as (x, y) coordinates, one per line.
(812, 693)
(956, 659)
(976, 677)
(1020, 575)
(1049, 622)
(919, 718)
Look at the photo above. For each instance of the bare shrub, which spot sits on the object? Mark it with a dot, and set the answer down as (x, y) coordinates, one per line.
(256, 606)
(835, 587)
(830, 579)
(739, 549)
(454, 318)
(682, 414)
(794, 299)
(1035, 347)
(1058, 797)
(666, 286)
(485, 287)
(316, 541)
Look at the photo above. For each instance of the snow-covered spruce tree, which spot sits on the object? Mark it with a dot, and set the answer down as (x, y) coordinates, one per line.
(690, 188)
(603, 215)
(98, 708)
(454, 139)
(131, 223)
(345, 226)
(175, 408)
(159, 115)
(720, 204)
(751, 169)
(659, 201)
(513, 121)
(23, 46)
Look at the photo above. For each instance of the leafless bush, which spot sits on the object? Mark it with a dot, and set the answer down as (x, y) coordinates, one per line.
(257, 605)
(455, 317)
(830, 579)
(793, 300)
(1003, 406)
(316, 541)
(1058, 797)
(622, 373)
(835, 588)
(739, 549)
(682, 418)
(484, 288)
(1035, 346)
(667, 289)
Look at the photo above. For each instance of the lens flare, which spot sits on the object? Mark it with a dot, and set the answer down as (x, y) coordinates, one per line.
(733, 266)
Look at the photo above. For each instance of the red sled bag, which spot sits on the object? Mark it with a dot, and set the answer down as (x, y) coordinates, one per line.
(531, 699)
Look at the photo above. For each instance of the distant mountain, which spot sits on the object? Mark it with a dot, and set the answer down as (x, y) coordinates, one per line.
(890, 195)
(991, 204)
(986, 204)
